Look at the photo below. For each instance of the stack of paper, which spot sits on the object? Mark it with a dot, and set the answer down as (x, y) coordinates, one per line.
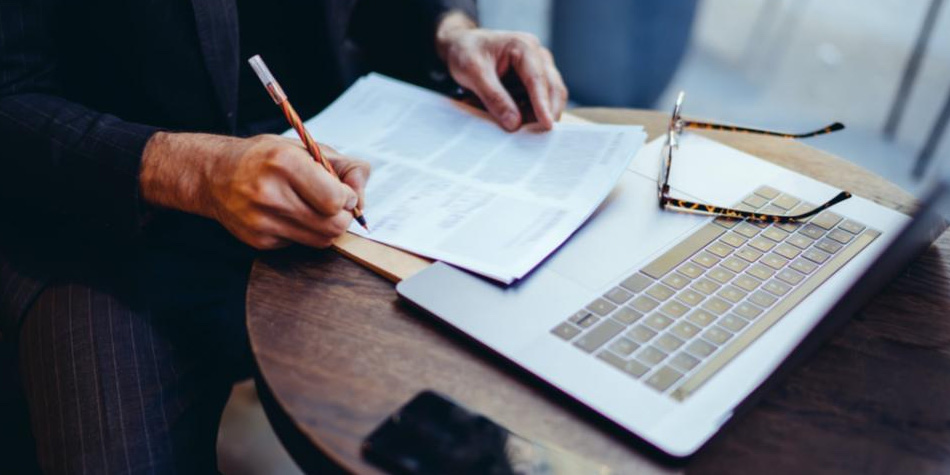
(449, 184)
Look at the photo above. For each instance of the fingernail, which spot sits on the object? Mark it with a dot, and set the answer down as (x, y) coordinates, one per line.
(509, 120)
(351, 202)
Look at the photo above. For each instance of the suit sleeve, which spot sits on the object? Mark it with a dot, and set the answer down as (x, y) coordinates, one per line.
(397, 37)
(61, 162)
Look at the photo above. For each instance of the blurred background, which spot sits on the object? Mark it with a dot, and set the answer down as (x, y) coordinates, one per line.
(882, 67)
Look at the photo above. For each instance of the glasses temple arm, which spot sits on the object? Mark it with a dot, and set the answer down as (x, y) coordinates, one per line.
(689, 124)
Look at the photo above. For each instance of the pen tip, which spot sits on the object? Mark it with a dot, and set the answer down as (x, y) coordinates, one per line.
(360, 219)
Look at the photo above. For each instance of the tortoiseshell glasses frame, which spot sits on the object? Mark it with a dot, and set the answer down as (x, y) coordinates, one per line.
(676, 127)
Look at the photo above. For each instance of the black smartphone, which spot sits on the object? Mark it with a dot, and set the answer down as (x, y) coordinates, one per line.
(432, 435)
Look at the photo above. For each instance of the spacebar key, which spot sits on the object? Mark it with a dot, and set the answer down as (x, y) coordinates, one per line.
(684, 250)
(595, 338)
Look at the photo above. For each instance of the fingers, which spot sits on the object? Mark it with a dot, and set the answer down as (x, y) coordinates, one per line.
(482, 78)
(320, 190)
(556, 87)
(353, 172)
(528, 64)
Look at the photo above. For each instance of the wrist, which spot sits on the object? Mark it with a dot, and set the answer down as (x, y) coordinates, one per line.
(449, 27)
(176, 169)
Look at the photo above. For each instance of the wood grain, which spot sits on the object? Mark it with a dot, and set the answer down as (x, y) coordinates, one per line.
(339, 352)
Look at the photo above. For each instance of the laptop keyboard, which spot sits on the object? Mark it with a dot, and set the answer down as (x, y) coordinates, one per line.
(680, 319)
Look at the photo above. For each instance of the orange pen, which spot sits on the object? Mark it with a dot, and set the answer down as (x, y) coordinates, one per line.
(280, 98)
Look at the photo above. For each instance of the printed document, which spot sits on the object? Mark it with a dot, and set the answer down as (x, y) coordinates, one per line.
(449, 184)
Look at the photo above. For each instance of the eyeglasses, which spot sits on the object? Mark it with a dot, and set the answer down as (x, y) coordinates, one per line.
(676, 127)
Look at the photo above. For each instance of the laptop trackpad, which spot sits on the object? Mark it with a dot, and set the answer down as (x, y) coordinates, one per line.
(627, 228)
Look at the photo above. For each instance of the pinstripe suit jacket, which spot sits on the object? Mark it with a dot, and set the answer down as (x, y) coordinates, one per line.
(84, 85)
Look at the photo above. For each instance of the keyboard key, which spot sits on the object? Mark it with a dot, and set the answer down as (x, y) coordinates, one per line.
(700, 348)
(684, 330)
(676, 280)
(800, 241)
(705, 286)
(786, 202)
(566, 331)
(681, 252)
(733, 240)
(828, 246)
(596, 337)
(755, 201)
(684, 362)
(767, 192)
(731, 294)
(706, 259)
(852, 227)
(812, 231)
(774, 261)
(660, 292)
(762, 299)
(717, 336)
(701, 317)
(746, 282)
(788, 227)
(762, 244)
(817, 256)
(668, 343)
(584, 319)
(777, 287)
(775, 234)
(733, 323)
(804, 265)
(727, 223)
(690, 297)
(826, 220)
(658, 321)
(663, 378)
(690, 270)
(644, 304)
(760, 272)
(716, 305)
(747, 311)
(623, 347)
(802, 209)
(843, 237)
(749, 254)
(747, 230)
(618, 295)
(577, 317)
(632, 367)
(735, 264)
(626, 315)
(719, 249)
(790, 276)
(641, 334)
(674, 309)
(636, 282)
(601, 307)
(787, 251)
(651, 356)
(721, 275)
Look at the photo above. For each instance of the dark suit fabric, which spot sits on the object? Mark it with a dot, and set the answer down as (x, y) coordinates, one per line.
(129, 320)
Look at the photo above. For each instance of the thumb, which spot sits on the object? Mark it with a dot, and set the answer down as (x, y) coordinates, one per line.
(351, 197)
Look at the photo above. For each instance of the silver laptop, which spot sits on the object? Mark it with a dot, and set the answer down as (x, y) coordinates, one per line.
(666, 322)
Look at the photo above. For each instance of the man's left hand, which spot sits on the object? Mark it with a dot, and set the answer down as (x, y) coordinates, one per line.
(478, 58)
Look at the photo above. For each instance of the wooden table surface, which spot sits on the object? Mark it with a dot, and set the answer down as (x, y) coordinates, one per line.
(338, 352)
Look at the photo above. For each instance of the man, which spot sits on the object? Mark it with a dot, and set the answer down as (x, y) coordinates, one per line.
(137, 183)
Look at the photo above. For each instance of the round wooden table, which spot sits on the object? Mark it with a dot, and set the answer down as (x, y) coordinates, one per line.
(337, 352)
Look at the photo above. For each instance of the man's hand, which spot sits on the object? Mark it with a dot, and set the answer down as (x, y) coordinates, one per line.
(478, 58)
(267, 190)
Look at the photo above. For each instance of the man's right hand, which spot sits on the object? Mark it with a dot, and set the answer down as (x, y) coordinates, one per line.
(266, 190)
